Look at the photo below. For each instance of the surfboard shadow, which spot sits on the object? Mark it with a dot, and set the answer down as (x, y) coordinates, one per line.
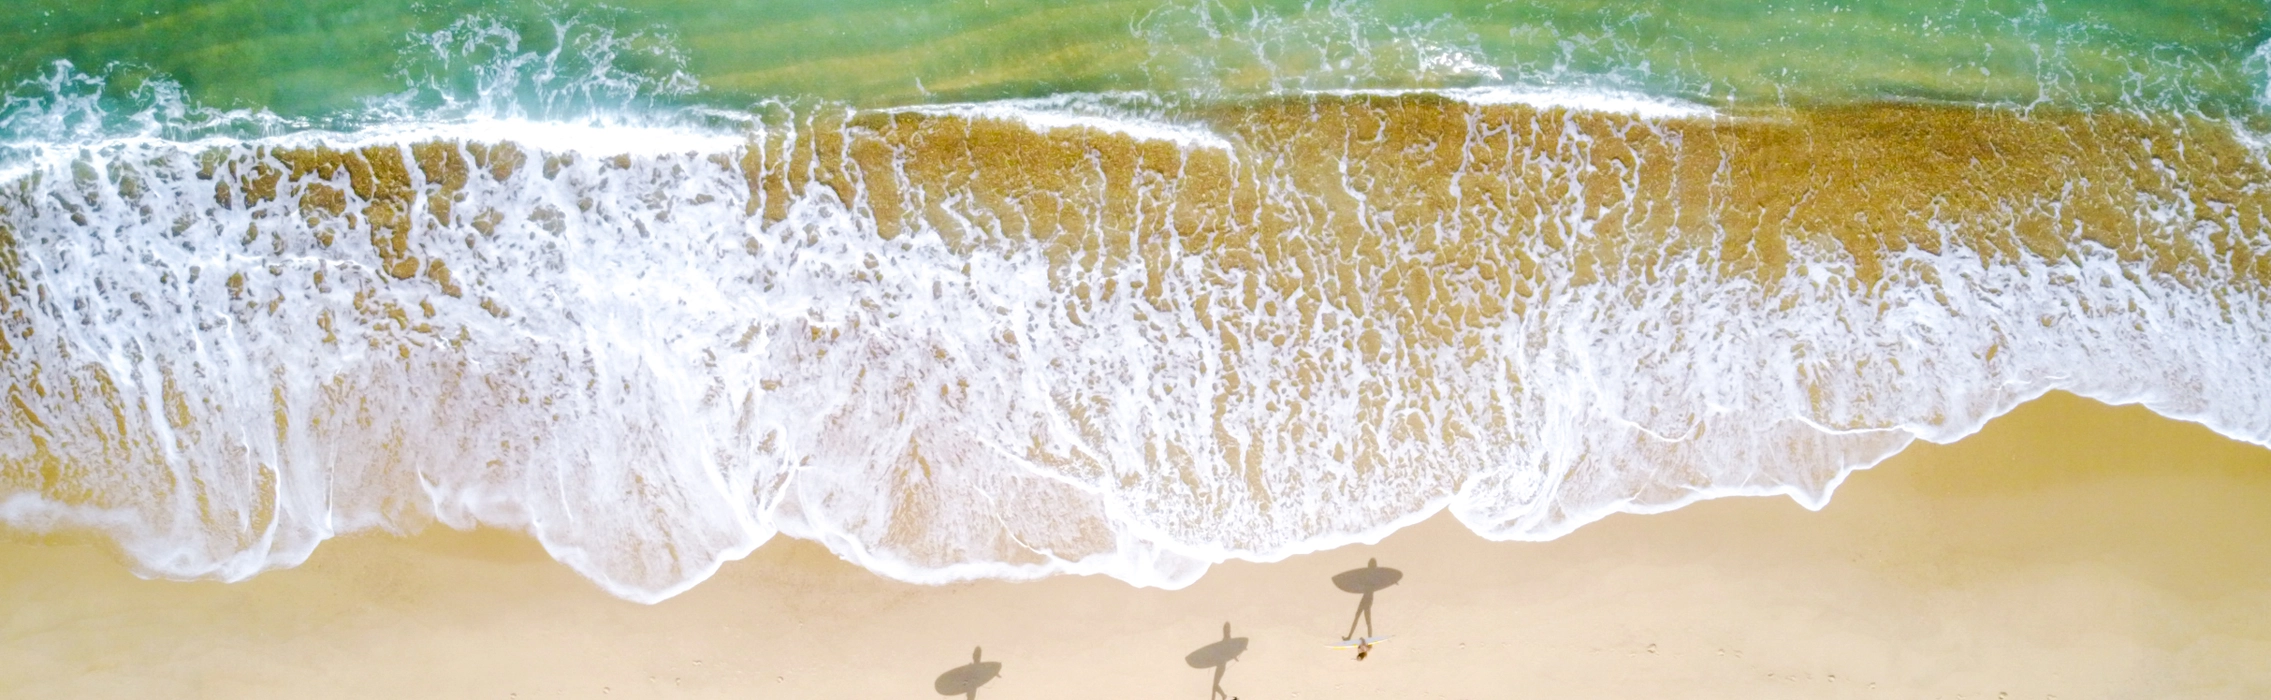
(1218, 656)
(964, 680)
(1366, 581)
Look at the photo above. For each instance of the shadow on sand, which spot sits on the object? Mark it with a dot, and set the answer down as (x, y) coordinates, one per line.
(964, 680)
(1218, 656)
(1367, 580)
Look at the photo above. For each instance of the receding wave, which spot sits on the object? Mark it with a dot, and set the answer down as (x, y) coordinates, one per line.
(1002, 341)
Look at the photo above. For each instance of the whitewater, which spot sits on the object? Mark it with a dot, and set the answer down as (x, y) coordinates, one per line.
(1130, 334)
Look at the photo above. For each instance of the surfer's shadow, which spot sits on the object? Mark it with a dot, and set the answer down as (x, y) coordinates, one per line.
(964, 680)
(1218, 656)
(1365, 581)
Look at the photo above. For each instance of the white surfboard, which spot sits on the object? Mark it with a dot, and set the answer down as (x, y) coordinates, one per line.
(1354, 643)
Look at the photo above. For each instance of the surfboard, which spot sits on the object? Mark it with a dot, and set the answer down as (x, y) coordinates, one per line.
(1354, 643)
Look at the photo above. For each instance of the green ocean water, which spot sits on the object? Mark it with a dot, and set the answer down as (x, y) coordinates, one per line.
(322, 56)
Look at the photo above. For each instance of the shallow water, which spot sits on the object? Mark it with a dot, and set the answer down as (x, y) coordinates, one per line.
(664, 294)
(313, 58)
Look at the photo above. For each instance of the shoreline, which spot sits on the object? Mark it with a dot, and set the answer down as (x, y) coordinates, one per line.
(2069, 549)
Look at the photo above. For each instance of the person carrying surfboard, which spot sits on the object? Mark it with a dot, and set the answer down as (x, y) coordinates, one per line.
(1365, 582)
(1363, 646)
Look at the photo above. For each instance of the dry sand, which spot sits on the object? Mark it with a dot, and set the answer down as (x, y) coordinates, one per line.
(2071, 550)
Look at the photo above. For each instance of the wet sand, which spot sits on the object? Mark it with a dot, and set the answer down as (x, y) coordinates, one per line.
(2070, 550)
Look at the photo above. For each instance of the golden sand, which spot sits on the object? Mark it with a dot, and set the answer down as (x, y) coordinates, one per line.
(2070, 550)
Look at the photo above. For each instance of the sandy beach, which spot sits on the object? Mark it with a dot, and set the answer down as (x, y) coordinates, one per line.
(2070, 550)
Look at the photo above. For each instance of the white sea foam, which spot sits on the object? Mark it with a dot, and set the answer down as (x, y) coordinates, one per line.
(579, 137)
(1094, 112)
(652, 380)
(1601, 101)
(2258, 63)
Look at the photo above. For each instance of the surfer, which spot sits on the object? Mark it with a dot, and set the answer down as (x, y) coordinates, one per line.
(1363, 645)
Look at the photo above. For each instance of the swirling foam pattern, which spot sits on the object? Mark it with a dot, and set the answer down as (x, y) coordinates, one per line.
(996, 342)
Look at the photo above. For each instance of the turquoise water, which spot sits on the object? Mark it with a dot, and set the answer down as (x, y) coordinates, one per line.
(325, 56)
